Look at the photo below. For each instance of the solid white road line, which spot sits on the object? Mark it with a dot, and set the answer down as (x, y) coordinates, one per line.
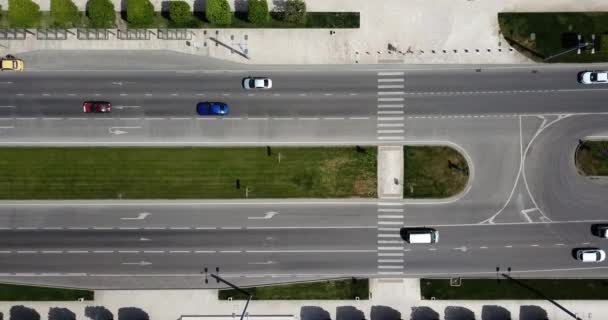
(390, 118)
(396, 73)
(389, 99)
(390, 254)
(390, 260)
(391, 80)
(390, 93)
(390, 267)
(390, 216)
(390, 86)
(390, 111)
(390, 106)
(390, 125)
(390, 210)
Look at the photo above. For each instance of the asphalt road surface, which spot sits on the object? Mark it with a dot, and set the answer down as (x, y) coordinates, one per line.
(525, 208)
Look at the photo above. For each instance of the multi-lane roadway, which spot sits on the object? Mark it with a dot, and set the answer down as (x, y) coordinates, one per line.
(525, 206)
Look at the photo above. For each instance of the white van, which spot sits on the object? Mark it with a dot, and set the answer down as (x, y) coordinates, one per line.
(419, 235)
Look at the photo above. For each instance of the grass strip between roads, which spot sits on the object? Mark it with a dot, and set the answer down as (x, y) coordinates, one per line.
(12, 292)
(433, 172)
(187, 173)
(592, 158)
(490, 289)
(542, 35)
(347, 289)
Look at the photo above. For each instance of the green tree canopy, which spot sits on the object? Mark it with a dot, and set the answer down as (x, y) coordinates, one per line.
(179, 12)
(295, 11)
(140, 13)
(64, 13)
(23, 14)
(258, 11)
(218, 12)
(101, 13)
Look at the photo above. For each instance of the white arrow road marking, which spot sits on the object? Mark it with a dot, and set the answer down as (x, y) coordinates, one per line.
(121, 83)
(268, 215)
(117, 131)
(265, 262)
(144, 239)
(141, 263)
(463, 248)
(140, 216)
(126, 107)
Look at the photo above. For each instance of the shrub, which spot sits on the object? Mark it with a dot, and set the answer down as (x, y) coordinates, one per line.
(218, 12)
(64, 13)
(23, 13)
(258, 11)
(295, 11)
(140, 13)
(179, 12)
(101, 13)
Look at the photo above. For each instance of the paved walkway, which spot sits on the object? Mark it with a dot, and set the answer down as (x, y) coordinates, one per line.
(390, 300)
(390, 172)
(418, 31)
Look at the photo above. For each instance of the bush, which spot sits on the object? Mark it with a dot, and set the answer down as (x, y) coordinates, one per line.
(101, 13)
(258, 12)
(140, 13)
(23, 13)
(179, 13)
(64, 13)
(295, 11)
(218, 12)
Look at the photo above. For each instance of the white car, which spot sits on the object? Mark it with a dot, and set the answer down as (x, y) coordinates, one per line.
(593, 77)
(590, 255)
(257, 83)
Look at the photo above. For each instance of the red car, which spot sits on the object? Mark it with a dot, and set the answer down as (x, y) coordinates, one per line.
(97, 107)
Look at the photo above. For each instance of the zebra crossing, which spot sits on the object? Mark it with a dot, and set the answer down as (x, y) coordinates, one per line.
(390, 113)
(390, 245)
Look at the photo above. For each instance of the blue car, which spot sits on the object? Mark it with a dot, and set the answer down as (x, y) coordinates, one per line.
(212, 108)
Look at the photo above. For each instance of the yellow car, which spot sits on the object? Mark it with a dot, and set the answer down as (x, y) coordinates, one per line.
(11, 63)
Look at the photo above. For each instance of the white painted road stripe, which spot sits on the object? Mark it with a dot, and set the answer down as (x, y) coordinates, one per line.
(390, 106)
(390, 254)
(390, 216)
(390, 125)
(391, 80)
(390, 210)
(390, 118)
(390, 86)
(389, 241)
(390, 99)
(390, 73)
(391, 138)
(390, 248)
(387, 273)
(390, 93)
(390, 111)
(390, 131)
(390, 222)
(390, 260)
(390, 267)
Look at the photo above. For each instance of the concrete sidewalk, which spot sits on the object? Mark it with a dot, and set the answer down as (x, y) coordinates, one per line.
(418, 32)
(391, 299)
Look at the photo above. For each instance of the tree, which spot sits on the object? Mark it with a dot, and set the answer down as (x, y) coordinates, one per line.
(295, 11)
(101, 13)
(179, 12)
(64, 13)
(218, 12)
(23, 13)
(258, 11)
(140, 13)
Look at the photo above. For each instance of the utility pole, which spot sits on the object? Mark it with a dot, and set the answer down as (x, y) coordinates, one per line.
(220, 279)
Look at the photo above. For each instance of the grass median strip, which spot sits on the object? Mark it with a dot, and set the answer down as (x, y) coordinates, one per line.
(433, 172)
(347, 289)
(553, 35)
(592, 158)
(187, 173)
(490, 289)
(13, 292)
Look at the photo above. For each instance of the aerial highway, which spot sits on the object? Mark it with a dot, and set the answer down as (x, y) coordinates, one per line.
(525, 206)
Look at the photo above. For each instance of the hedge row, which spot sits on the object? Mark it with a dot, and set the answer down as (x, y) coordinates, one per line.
(141, 14)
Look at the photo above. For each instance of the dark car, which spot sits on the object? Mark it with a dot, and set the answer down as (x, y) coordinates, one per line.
(212, 108)
(97, 107)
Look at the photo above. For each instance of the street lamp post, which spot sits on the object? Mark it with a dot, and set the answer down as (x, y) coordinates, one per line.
(233, 286)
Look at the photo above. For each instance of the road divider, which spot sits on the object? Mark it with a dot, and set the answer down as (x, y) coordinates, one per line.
(65, 173)
(592, 157)
(433, 172)
(347, 289)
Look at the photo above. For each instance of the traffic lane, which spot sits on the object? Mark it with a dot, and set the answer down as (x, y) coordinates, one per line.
(238, 239)
(188, 214)
(187, 131)
(482, 78)
(177, 105)
(517, 235)
(170, 82)
(429, 261)
(322, 264)
(560, 191)
(493, 103)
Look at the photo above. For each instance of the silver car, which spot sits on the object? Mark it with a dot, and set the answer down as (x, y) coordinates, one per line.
(257, 83)
(590, 255)
(593, 77)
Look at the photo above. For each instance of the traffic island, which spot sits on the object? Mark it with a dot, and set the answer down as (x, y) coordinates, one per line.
(13, 292)
(433, 172)
(592, 158)
(187, 173)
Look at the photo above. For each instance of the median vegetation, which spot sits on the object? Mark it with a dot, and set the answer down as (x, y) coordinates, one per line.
(348, 289)
(433, 172)
(142, 14)
(491, 289)
(187, 173)
(13, 292)
(592, 158)
(554, 36)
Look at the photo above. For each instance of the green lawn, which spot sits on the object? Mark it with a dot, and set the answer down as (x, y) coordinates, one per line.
(490, 289)
(11, 292)
(555, 33)
(322, 290)
(433, 172)
(592, 158)
(187, 173)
